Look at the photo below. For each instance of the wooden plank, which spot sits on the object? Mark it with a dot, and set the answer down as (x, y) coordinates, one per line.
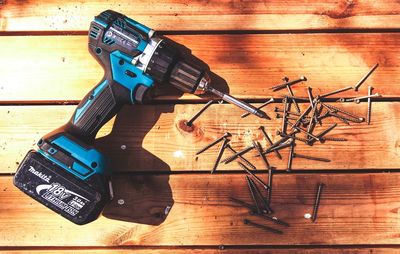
(60, 67)
(355, 209)
(52, 15)
(155, 140)
(266, 250)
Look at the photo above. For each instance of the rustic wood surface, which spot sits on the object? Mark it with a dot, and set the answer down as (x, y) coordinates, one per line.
(251, 45)
(51, 15)
(355, 209)
(250, 64)
(139, 128)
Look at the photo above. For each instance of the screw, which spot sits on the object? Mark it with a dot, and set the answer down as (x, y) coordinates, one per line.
(302, 116)
(341, 118)
(358, 99)
(246, 205)
(281, 86)
(190, 122)
(281, 146)
(273, 219)
(231, 158)
(259, 194)
(248, 163)
(296, 155)
(290, 160)
(369, 105)
(365, 77)
(253, 196)
(324, 132)
(293, 99)
(336, 91)
(253, 175)
(305, 132)
(273, 230)
(219, 156)
(334, 139)
(328, 106)
(227, 134)
(262, 129)
(260, 152)
(316, 203)
(260, 107)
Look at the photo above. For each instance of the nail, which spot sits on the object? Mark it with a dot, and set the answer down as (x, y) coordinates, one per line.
(270, 174)
(365, 77)
(253, 196)
(336, 91)
(334, 139)
(260, 195)
(244, 204)
(231, 158)
(273, 230)
(316, 203)
(248, 163)
(296, 155)
(219, 156)
(260, 152)
(227, 134)
(260, 107)
(293, 99)
(340, 110)
(358, 100)
(190, 122)
(369, 106)
(281, 146)
(324, 132)
(285, 110)
(273, 219)
(269, 141)
(302, 116)
(253, 175)
(304, 131)
(290, 160)
(290, 83)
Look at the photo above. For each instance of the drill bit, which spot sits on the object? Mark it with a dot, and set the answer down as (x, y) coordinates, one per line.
(241, 104)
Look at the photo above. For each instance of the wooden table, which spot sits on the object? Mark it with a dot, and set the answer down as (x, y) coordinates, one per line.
(45, 69)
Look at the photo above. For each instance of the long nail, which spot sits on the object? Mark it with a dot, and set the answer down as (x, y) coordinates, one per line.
(273, 219)
(296, 155)
(244, 204)
(290, 160)
(227, 134)
(231, 158)
(336, 91)
(324, 132)
(317, 201)
(260, 195)
(269, 141)
(253, 196)
(293, 99)
(273, 230)
(219, 156)
(365, 77)
(281, 86)
(260, 152)
(253, 175)
(244, 160)
(369, 105)
(190, 122)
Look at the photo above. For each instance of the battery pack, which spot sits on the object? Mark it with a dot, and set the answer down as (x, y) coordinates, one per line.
(77, 200)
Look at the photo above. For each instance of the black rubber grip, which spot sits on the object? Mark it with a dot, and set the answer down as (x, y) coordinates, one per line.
(98, 107)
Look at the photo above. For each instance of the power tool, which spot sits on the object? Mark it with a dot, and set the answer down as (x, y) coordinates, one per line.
(66, 173)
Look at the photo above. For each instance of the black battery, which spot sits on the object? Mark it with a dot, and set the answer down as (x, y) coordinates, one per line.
(78, 201)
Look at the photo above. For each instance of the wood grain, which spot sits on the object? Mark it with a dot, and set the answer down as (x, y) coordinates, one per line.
(59, 68)
(355, 209)
(51, 15)
(157, 140)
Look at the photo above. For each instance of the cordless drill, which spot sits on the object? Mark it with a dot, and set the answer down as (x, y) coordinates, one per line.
(66, 173)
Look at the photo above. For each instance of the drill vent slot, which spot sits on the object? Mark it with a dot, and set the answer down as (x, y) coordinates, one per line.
(94, 32)
(108, 41)
(119, 23)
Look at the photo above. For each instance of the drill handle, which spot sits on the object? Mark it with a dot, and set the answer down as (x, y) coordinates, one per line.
(101, 104)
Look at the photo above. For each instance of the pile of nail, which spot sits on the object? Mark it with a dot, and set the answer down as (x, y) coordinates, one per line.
(294, 122)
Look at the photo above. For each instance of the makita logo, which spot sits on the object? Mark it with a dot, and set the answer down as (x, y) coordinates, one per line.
(39, 174)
